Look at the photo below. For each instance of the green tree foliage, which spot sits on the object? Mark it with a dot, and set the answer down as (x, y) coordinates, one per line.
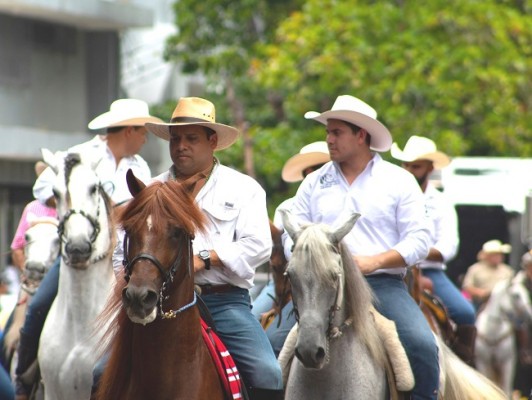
(457, 71)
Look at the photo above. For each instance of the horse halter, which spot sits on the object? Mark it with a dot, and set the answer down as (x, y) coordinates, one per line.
(168, 276)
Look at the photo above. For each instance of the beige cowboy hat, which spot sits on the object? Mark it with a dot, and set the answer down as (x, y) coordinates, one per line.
(420, 148)
(496, 246)
(312, 154)
(124, 112)
(355, 111)
(196, 111)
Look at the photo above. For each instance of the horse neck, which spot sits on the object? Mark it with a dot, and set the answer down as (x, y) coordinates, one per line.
(82, 294)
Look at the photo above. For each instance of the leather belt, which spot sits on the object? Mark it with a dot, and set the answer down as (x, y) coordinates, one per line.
(211, 289)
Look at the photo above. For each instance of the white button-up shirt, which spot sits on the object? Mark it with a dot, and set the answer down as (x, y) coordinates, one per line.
(389, 200)
(237, 227)
(443, 227)
(112, 176)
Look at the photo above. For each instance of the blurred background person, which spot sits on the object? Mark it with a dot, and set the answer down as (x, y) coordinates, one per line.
(481, 277)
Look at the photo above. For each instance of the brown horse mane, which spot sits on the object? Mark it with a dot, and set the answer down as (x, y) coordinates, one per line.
(168, 203)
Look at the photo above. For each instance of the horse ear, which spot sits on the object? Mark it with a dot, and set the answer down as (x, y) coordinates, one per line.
(134, 184)
(50, 159)
(345, 228)
(290, 225)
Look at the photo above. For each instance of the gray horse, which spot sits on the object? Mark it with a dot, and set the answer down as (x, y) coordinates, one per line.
(339, 355)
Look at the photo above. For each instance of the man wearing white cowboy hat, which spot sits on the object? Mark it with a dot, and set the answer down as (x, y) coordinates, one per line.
(420, 157)
(391, 233)
(310, 158)
(481, 277)
(236, 242)
(117, 152)
(118, 149)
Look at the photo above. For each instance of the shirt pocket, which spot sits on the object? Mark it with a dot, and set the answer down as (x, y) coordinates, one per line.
(223, 218)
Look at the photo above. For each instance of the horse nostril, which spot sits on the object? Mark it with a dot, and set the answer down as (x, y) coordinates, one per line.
(150, 300)
(320, 354)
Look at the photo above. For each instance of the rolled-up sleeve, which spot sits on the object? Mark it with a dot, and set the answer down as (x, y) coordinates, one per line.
(252, 243)
(412, 222)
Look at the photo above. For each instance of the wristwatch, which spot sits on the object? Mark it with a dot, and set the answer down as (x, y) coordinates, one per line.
(205, 255)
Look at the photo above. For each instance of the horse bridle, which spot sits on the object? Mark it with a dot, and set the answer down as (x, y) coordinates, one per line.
(168, 276)
(333, 331)
(94, 222)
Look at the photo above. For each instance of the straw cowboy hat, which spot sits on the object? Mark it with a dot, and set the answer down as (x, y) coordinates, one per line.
(420, 148)
(196, 111)
(355, 111)
(312, 154)
(124, 112)
(496, 246)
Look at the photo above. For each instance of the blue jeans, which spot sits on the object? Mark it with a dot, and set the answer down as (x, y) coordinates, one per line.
(460, 310)
(7, 390)
(36, 314)
(245, 339)
(276, 332)
(395, 303)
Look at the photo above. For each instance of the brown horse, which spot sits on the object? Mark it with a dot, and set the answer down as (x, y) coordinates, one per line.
(155, 340)
(281, 282)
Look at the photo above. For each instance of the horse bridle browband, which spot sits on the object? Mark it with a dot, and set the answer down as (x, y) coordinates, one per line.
(168, 276)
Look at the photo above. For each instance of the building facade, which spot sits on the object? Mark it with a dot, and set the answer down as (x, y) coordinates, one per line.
(62, 62)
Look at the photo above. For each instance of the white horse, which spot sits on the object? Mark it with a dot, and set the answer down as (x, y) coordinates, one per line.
(67, 345)
(495, 349)
(40, 252)
(339, 355)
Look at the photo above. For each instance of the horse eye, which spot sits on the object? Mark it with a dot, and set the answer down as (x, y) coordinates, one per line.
(93, 190)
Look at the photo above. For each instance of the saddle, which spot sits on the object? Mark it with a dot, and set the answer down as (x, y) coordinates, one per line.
(435, 312)
(225, 364)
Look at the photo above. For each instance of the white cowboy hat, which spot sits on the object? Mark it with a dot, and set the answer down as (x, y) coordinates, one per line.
(196, 111)
(124, 112)
(355, 111)
(496, 246)
(420, 148)
(312, 154)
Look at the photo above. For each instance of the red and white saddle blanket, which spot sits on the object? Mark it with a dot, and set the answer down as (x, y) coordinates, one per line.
(225, 365)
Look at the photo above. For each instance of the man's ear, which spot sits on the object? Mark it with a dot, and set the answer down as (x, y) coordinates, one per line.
(213, 139)
(134, 184)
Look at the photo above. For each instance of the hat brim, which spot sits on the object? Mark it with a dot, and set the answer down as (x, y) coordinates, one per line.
(439, 159)
(381, 138)
(103, 121)
(295, 165)
(227, 135)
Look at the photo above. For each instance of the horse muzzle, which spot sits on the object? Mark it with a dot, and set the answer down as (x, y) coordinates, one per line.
(311, 347)
(140, 304)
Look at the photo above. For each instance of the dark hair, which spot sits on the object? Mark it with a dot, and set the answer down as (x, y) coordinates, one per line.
(356, 129)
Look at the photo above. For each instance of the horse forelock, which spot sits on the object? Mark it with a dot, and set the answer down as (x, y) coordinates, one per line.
(71, 160)
(313, 253)
(164, 204)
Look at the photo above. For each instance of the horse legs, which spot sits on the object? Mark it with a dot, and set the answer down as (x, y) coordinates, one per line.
(464, 344)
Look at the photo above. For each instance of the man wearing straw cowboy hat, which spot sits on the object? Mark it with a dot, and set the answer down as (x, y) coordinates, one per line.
(391, 233)
(310, 158)
(117, 150)
(420, 157)
(237, 240)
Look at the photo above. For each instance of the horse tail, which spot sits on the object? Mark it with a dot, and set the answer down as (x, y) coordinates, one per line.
(462, 382)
